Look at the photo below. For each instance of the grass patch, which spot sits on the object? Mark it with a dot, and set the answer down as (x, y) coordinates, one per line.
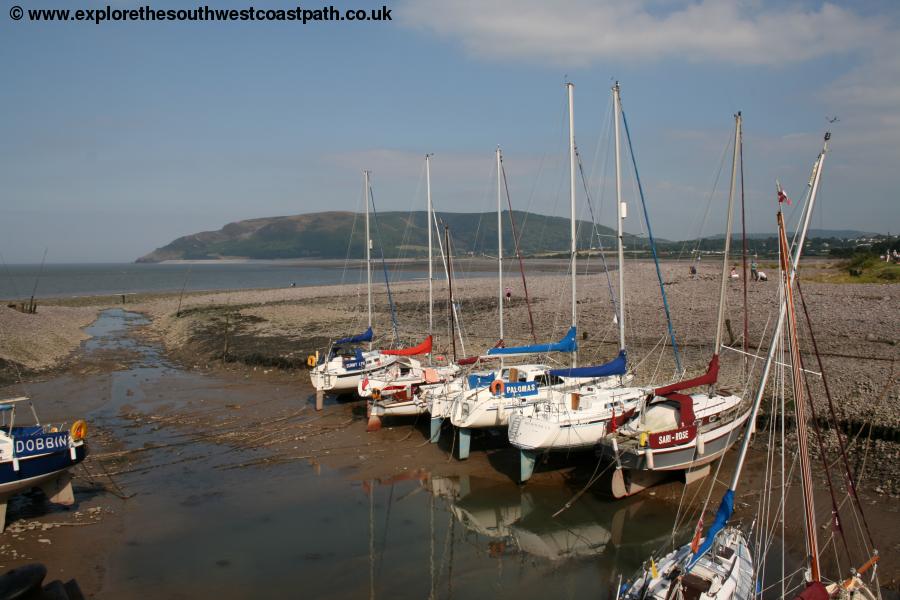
(861, 268)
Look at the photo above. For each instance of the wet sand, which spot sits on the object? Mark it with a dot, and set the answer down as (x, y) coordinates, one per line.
(250, 417)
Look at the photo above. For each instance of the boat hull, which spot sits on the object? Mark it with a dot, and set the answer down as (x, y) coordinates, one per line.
(36, 470)
(715, 442)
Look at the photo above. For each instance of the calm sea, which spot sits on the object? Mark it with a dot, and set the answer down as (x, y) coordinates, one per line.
(56, 280)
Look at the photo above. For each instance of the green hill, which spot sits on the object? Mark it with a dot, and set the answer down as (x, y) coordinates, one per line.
(400, 234)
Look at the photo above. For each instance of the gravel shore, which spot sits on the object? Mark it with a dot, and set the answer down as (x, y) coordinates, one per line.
(855, 326)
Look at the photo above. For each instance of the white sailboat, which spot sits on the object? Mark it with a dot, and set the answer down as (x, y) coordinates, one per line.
(579, 419)
(346, 363)
(677, 432)
(518, 389)
(395, 391)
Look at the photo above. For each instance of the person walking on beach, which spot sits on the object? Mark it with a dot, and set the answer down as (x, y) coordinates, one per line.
(754, 270)
(508, 295)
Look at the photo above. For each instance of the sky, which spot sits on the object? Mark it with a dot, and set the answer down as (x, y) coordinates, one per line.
(117, 138)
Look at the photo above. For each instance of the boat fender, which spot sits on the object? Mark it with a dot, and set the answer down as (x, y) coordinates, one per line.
(648, 454)
(701, 447)
(497, 387)
(644, 438)
(78, 431)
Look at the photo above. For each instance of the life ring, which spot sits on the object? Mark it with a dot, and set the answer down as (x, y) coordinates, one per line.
(497, 387)
(78, 430)
(311, 361)
(376, 394)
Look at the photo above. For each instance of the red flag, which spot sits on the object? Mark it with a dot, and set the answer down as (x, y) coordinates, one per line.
(612, 422)
(782, 197)
(695, 543)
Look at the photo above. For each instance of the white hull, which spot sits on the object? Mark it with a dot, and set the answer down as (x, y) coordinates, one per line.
(333, 377)
(557, 426)
(481, 409)
(725, 572)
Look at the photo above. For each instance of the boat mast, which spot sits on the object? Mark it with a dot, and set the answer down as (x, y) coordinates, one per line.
(368, 249)
(621, 211)
(720, 321)
(570, 89)
(500, 240)
(773, 347)
(430, 258)
(799, 410)
(450, 287)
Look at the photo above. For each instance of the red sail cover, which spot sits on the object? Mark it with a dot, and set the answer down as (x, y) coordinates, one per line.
(423, 348)
(708, 378)
(471, 360)
(814, 591)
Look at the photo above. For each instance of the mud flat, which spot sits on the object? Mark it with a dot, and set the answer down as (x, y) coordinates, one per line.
(201, 416)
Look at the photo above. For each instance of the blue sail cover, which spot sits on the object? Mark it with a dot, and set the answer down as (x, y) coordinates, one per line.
(722, 516)
(366, 336)
(480, 381)
(617, 366)
(567, 344)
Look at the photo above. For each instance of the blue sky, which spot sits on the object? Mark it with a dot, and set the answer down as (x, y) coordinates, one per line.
(120, 137)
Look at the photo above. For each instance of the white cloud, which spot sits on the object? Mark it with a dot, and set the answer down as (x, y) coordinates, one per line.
(582, 32)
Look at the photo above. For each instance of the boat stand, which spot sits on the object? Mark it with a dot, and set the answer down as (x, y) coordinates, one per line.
(58, 490)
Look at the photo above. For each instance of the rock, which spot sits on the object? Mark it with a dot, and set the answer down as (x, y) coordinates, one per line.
(43, 540)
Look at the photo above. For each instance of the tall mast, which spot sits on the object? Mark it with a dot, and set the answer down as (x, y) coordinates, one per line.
(720, 321)
(430, 258)
(368, 250)
(570, 89)
(621, 211)
(799, 410)
(500, 240)
(450, 286)
(770, 356)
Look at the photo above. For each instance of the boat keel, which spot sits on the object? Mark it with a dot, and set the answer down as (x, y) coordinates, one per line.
(526, 465)
(465, 441)
(436, 423)
(621, 483)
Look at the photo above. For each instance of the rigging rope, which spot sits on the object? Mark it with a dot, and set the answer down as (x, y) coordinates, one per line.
(590, 203)
(662, 289)
(848, 471)
(512, 223)
(387, 282)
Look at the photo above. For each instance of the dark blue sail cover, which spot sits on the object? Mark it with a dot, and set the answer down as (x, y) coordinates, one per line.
(567, 344)
(722, 516)
(365, 336)
(480, 381)
(617, 366)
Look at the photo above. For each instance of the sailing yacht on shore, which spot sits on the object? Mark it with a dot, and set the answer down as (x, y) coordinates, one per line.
(677, 432)
(577, 420)
(518, 389)
(346, 363)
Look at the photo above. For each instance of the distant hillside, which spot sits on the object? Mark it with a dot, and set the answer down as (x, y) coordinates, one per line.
(400, 234)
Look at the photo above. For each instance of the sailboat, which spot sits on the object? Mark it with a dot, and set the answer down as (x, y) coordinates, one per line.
(674, 431)
(518, 389)
(719, 566)
(395, 391)
(579, 419)
(346, 363)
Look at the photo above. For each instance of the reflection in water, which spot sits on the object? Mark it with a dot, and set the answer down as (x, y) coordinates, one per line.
(522, 518)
